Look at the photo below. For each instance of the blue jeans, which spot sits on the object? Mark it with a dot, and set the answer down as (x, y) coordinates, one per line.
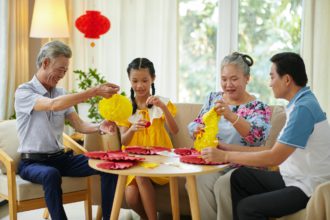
(49, 174)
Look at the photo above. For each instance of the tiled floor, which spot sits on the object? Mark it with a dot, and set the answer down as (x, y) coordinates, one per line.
(73, 211)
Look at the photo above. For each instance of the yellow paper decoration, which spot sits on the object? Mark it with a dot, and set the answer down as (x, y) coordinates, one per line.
(117, 108)
(148, 164)
(208, 138)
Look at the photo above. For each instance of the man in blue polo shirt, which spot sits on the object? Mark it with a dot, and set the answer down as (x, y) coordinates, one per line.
(41, 109)
(302, 151)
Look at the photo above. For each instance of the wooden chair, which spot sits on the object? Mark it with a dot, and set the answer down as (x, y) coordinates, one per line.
(23, 195)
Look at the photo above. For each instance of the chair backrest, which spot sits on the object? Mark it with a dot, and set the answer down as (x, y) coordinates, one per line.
(9, 142)
(277, 121)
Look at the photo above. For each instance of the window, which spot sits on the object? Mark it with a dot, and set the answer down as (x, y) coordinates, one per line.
(265, 27)
(197, 49)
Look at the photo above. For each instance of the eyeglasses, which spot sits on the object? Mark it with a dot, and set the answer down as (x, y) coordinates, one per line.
(246, 58)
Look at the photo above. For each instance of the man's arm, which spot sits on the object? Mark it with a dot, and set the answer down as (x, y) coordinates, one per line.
(82, 126)
(65, 101)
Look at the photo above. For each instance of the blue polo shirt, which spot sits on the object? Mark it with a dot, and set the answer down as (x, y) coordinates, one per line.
(306, 129)
(38, 131)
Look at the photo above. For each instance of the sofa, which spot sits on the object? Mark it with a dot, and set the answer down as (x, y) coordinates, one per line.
(185, 114)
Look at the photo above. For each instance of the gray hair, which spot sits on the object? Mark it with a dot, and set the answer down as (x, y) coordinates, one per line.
(52, 50)
(243, 61)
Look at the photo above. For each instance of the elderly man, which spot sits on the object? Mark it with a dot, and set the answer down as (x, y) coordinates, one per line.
(41, 110)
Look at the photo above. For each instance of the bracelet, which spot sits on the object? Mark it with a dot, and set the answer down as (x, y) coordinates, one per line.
(236, 120)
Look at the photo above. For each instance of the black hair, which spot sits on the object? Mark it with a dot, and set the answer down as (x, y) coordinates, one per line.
(291, 64)
(141, 63)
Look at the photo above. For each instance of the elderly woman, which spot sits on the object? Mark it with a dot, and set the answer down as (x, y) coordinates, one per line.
(245, 121)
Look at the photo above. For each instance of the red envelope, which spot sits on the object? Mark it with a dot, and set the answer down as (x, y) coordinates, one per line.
(186, 151)
(110, 165)
(196, 159)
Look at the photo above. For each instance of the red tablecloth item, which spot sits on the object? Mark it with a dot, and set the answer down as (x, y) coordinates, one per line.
(196, 159)
(96, 154)
(186, 151)
(110, 165)
(145, 150)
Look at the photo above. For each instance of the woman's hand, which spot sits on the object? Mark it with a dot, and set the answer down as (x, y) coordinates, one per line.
(212, 154)
(199, 129)
(222, 108)
(139, 125)
(154, 100)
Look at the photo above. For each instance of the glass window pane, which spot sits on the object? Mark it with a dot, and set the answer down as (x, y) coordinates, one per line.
(197, 49)
(267, 27)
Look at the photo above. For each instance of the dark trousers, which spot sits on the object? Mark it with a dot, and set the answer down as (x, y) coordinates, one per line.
(48, 174)
(260, 194)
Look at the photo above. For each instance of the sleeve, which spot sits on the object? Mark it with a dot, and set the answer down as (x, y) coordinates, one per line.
(259, 117)
(198, 120)
(25, 99)
(298, 128)
(172, 108)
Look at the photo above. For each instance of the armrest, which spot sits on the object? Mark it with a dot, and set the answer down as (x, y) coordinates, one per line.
(7, 161)
(70, 143)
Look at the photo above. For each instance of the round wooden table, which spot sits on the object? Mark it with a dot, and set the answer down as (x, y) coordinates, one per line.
(168, 167)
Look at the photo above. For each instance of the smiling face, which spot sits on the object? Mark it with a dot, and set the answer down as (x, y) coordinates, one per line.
(54, 70)
(233, 81)
(141, 81)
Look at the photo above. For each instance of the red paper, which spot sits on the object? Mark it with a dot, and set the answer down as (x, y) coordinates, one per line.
(144, 150)
(196, 159)
(96, 154)
(110, 165)
(186, 151)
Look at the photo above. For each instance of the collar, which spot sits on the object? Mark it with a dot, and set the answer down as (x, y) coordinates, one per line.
(38, 86)
(299, 94)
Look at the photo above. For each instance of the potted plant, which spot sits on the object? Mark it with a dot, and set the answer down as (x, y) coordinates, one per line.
(88, 80)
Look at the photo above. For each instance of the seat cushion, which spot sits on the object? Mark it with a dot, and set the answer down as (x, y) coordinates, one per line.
(27, 190)
(9, 142)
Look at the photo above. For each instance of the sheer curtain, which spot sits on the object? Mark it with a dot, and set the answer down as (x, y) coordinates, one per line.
(14, 38)
(316, 48)
(144, 28)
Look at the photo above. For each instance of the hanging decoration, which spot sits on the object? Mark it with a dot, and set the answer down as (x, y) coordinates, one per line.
(93, 24)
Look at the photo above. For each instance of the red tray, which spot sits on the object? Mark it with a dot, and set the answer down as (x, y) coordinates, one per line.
(196, 159)
(110, 165)
(186, 151)
(144, 150)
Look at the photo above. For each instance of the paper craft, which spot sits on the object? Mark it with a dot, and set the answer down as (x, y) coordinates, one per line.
(196, 159)
(185, 151)
(110, 165)
(145, 150)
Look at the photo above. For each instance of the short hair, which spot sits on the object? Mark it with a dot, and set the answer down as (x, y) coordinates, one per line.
(292, 64)
(243, 61)
(53, 50)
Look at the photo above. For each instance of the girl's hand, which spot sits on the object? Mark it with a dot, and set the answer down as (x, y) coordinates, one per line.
(139, 125)
(212, 154)
(154, 100)
(199, 129)
(108, 127)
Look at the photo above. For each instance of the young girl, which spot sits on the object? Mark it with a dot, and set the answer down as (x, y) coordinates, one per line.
(147, 108)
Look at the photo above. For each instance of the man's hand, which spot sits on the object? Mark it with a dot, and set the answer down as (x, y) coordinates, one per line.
(108, 127)
(212, 154)
(106, 90)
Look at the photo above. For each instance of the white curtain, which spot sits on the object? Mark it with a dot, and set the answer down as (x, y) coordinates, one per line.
(14, 38)
(144, 28)
(316, 48)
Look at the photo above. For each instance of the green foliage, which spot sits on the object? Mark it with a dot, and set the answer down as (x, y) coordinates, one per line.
(266, 27)
(88, 80)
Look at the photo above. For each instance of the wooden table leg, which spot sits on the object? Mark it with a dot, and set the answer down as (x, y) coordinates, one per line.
(193, 197)
(174, 190)
(119, 195)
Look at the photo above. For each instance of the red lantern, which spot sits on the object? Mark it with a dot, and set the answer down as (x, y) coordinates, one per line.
(93, 24)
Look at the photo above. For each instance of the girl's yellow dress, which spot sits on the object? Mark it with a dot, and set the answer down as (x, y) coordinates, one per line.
(154, 135)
